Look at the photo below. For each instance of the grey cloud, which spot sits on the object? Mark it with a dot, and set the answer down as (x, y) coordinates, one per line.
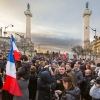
(55, 43)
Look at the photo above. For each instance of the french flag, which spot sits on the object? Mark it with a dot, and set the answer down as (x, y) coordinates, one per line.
(11, 84)
(16, 52)
(64, 55)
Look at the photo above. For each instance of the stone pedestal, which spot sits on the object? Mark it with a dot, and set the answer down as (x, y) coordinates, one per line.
(28, 25)
(86, 16)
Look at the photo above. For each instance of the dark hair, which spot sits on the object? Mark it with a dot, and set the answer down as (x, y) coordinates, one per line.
(62, 66)
(68, 79)
(98, 64)
(98, 80)
(0, 55)
(68, 64)
(24, 57)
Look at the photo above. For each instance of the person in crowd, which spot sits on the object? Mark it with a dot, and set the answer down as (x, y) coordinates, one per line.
(70, 92)
(23, 74)
(42, 64)
(97, 70)
(37, 65)
(46, 85)
(78, 74)
(88, 66)
(2, 64)
(54, 66)
(59, 76)
(85, 86)
(70, 71)
(2, 67)
(95, 90)
(32, 83)
(82, 68)
(93, 67)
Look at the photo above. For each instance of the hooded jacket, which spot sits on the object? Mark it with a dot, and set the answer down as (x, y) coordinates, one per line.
(72, 94)
(24, 71)
(45, 83)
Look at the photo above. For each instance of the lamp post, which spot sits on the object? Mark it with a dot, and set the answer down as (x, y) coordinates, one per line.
(95, 37)
(6, 28)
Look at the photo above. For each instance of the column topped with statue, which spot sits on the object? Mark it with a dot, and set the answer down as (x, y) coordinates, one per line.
(28, 12)
(87, 11)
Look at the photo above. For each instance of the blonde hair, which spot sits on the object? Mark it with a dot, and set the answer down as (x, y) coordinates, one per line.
(56, 71)
(89, 71)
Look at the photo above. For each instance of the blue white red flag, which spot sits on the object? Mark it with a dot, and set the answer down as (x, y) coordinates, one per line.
(16, 52)
(11, 84)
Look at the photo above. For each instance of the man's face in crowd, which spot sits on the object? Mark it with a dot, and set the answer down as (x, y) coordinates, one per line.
(76, 66)
(68, 67)
(61, 70)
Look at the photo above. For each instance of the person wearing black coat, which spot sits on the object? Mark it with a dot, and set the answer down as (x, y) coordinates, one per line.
(24, 69)
(59, 76)
(46, 85)
(32, 83)
(85, 86)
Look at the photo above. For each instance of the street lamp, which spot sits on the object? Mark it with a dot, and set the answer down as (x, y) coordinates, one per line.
(6, 28)
(21, 36)
(95, 37)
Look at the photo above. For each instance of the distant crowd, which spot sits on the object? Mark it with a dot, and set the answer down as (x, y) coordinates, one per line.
(46, 78)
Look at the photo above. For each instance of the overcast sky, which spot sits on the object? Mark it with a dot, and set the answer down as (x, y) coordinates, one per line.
(57, 24)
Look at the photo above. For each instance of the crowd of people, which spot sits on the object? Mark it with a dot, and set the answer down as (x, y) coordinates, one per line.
(45, 78)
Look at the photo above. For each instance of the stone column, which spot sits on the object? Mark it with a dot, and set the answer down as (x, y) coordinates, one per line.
(28, 23)
(86, 16)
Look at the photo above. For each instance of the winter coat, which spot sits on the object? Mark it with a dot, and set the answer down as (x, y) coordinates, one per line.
(79, 76)
(32, 85)
(95, 92)
(72, 94)
(23, 84)
(85, 87)
(24, 71)
(6, 95)
(59, 77)
(45, 84)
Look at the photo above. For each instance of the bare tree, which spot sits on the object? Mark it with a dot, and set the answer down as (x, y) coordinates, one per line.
(78, 50)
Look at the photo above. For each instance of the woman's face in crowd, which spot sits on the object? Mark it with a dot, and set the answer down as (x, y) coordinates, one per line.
(87, 73)
(65, 84)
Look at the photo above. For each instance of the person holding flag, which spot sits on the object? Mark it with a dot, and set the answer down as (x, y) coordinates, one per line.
(11, 83)
(18, 88)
